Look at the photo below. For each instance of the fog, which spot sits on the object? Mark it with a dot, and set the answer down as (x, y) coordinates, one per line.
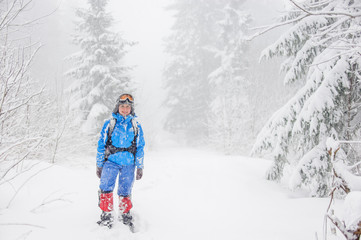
(147, 23)
(141, 21)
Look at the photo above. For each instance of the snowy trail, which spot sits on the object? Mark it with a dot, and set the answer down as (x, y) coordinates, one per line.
(184, 194)
(211, 196)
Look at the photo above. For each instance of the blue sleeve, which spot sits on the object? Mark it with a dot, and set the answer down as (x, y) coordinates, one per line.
(139, 156)
(101, 144)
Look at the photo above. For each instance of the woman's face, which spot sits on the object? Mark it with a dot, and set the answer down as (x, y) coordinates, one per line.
(124, 109)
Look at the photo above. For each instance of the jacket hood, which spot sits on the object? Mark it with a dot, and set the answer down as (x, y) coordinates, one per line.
(122, 119)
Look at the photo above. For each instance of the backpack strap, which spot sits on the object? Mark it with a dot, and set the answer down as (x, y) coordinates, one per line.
(133, 147)
(110, 149)
(111, 126)
(135, 127)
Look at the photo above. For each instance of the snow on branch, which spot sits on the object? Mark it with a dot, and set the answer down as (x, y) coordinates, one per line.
(342, 171)
(20, 160)
(50, 201)
(13, 12)
(18, 190)
(306, 14)
(349, 235)
(269, 28)
(24, 101)
(11, 15)
(18, 142)
(324, 13)
(350, 226)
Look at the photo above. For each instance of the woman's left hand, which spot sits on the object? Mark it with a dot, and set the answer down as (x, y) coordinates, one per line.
(139, 173)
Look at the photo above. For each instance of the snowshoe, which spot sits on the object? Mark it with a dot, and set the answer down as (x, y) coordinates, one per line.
(106, 219)
(127, 219)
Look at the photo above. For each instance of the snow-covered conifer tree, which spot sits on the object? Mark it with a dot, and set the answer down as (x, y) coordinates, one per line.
(98, 73)
(190, 47)
(230, 117)
(322, 51)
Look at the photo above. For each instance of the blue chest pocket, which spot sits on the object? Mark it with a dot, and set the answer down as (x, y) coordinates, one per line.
(123, 135)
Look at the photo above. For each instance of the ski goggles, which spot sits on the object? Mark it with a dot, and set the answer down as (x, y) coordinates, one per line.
(126, 97)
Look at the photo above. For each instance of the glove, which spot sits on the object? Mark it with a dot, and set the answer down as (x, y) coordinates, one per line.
(99, 172)
(139, 173)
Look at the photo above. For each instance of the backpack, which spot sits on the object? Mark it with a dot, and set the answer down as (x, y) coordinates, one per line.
(110, 149)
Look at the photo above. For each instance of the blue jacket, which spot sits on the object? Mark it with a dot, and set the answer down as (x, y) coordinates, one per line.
(122, 136)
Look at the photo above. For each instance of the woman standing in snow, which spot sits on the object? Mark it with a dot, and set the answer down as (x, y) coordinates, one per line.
(120, 151)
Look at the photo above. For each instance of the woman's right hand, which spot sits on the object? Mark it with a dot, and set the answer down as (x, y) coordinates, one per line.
(99, 171)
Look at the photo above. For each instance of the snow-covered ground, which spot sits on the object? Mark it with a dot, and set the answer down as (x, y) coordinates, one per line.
(184, 194)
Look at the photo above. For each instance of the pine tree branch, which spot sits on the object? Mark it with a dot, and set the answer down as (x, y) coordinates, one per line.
(355, 165)
(330, 58)
(324, 13)
(358, 142)
(274, 26)
(307, 14)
